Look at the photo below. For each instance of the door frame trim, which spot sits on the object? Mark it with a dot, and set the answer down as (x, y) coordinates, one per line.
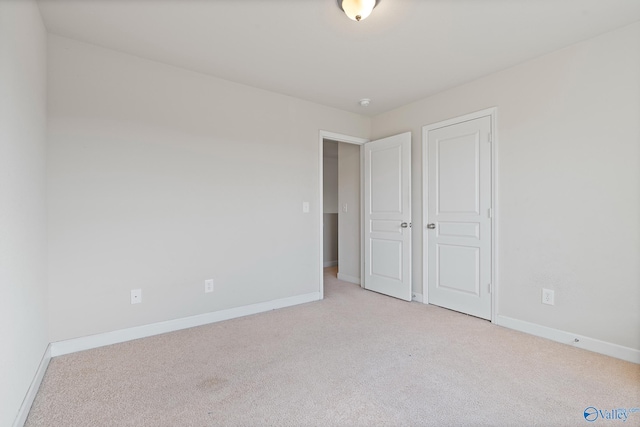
(349, 140)
(492, 113)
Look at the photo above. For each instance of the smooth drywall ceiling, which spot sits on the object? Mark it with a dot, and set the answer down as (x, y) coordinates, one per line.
(568, 171)
(160, 178)
(406, 49)
(23, 308)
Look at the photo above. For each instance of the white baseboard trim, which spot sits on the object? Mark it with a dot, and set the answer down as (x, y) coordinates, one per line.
(94, 341)
(330, 263)
(347, 278)
(416, 297)
(586, 343)
(21, 418)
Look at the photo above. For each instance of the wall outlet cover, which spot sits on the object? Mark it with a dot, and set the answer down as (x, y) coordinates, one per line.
(208, 286)
(136, 296)
(548, 296)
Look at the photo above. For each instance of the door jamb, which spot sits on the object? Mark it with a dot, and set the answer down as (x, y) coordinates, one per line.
(349, 140)
(492, 113)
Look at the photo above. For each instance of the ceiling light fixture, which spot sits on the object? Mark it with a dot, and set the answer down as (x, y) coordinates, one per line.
(364, 102)
(357, 9)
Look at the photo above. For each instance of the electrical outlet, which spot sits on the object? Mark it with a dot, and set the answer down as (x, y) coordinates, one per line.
(208, 286)
(547, 296)
(136, 296)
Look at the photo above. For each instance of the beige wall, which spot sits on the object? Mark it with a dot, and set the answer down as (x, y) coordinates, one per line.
(330, 239)
(349, 222)
(330, 177)
(23, 309)
(568, 183)
(330, 202)
(160, 178)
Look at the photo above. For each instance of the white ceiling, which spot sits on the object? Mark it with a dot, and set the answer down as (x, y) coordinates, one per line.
(406, 50)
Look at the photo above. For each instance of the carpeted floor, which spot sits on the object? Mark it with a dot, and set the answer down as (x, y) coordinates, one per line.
(356, 358)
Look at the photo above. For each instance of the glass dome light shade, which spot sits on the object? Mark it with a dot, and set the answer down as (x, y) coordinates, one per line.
(358, 9)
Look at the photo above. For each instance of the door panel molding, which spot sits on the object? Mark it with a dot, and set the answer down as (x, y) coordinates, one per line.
(387, 215)
(462, 229)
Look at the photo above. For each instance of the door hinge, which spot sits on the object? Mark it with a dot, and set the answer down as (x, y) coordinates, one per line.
(489, 287)
(490, 213)
(490, 137)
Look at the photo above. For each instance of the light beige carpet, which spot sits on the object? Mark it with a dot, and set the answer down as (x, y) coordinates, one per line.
(354, 359)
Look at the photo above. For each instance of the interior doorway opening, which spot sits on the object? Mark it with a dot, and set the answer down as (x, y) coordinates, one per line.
(341, 201)
(331, 205)
(341, 209)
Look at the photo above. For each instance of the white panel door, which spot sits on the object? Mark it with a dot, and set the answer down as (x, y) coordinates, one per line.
(387, 216)
(459, 218)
